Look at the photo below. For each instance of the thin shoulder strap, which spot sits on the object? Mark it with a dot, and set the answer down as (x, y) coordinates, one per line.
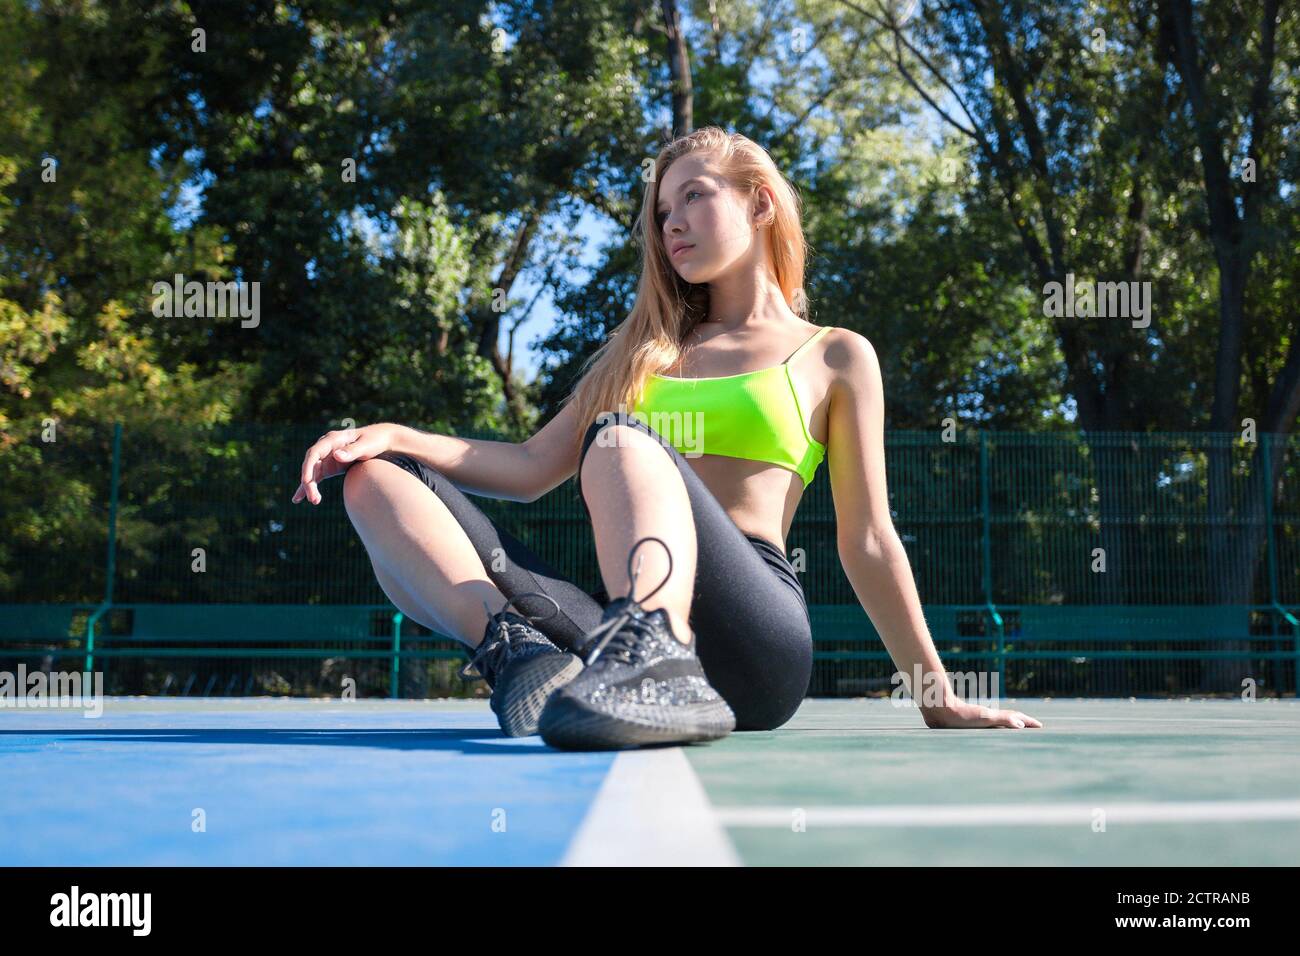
(813, 338)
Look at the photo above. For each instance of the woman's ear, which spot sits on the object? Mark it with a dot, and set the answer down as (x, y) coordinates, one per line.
(764, 207)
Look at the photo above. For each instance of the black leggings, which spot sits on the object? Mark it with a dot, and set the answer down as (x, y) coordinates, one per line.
(753, 632)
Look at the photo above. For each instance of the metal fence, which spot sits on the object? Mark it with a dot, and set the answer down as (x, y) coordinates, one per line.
(110, 518)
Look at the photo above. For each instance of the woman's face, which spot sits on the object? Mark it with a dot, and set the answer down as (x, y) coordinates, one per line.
(701, 212)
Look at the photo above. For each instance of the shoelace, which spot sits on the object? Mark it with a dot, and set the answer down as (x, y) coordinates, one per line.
(618, 638)
(494, 652)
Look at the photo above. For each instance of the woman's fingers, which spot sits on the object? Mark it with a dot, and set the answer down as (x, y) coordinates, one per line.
(311, 467)
(331, 455)
(1015, 719)
(364, 446)
(305, 491)
(973, 715)
(313, 492)
(309, 460)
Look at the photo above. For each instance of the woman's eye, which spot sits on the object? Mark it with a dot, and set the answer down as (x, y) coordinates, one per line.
(663, 216)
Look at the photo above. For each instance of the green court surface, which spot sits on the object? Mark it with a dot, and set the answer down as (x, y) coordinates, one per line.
(281, 781)
(1179, 782)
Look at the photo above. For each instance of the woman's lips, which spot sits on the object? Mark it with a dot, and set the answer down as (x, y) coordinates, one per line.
(683, 249)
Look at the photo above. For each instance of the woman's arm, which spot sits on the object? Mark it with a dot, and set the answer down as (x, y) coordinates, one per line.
(870, 551)
(494, 469)
(481, 466)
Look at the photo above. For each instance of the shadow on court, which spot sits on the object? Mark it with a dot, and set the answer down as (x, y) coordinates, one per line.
(461, 741)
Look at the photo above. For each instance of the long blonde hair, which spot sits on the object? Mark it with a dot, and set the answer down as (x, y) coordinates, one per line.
(667, 307)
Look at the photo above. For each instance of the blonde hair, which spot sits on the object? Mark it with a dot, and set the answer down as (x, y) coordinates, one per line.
(667, 307)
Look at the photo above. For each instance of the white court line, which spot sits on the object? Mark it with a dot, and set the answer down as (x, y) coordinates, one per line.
(1003, 814)
(1180, 720)
(651, 810)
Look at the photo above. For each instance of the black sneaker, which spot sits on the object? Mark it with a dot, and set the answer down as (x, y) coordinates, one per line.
(521, 666)
(641, 685)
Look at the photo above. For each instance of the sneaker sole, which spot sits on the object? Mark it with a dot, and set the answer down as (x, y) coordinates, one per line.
(519, 701)
(568, 724)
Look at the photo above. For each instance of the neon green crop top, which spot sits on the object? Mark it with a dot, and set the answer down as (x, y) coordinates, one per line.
(754, 415)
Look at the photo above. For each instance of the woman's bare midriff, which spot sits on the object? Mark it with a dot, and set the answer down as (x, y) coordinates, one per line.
(760, 497)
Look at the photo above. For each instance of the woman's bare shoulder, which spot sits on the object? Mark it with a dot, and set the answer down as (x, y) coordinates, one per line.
(851, 359)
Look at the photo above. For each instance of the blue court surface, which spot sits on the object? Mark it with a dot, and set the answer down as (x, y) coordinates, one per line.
(282, 781)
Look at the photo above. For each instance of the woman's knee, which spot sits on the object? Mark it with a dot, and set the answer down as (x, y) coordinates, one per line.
(359, 482)
(769, 685)
(609, 427)
(769, 713)
(616, 430)
(770, 710)
(363, 478)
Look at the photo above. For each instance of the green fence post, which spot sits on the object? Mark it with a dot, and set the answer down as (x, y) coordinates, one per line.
(111, 565)
(986, 563)
(1271, 551)
(1271, 545)
(397, 650)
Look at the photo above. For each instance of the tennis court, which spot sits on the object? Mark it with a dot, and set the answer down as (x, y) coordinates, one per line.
(295, 781)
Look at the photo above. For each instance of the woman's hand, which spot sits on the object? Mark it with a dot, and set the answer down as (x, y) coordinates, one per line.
(335, 451)
(957, 713)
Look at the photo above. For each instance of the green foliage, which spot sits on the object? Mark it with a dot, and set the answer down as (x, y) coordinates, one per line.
(480, 135)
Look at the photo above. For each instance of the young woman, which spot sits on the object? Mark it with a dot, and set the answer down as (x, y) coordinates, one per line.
(692, 434)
